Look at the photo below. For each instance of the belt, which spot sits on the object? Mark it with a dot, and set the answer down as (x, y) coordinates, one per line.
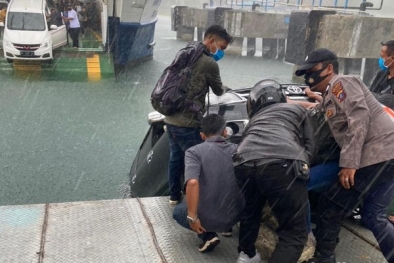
(273, 164)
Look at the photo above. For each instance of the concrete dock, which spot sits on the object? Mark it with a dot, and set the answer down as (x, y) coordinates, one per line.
(129, 230)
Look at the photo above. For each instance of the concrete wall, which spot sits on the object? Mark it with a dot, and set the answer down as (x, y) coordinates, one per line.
(358, 37)
(256, 24)
(387, 10)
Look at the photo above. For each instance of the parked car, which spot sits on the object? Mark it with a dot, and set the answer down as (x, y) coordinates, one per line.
(27, 35)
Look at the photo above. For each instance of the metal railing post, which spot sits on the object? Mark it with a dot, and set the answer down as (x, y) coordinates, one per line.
(346, 2)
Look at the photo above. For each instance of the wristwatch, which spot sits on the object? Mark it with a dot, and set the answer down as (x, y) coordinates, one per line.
(191, 219)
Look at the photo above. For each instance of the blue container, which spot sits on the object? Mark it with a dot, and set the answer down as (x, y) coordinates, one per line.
(131, 43)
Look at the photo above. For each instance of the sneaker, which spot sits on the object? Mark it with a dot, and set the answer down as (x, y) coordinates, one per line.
(243, 258)
(175, 201)
(229, 233)
(209, 245)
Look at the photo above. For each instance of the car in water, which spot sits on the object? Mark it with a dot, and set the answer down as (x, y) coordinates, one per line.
(148, 174)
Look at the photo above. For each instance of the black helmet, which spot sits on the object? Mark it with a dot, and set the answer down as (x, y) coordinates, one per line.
(264, 93)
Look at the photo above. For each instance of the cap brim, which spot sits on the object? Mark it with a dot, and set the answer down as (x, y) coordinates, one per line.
(303, 68)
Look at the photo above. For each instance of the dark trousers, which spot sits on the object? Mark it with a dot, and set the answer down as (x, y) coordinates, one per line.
(74, 34)
(287, 197)
(181, 139)
(180, 215)
(374, 185)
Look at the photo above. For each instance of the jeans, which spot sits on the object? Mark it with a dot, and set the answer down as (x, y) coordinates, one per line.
(181, 139)
(374, 185)
(180, 214)
(321, 177)
(287, 197)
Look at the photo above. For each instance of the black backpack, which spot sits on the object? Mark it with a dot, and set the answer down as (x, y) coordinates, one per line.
(169, 95)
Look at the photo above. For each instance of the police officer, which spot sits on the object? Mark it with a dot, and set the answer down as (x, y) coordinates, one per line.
(365, 134)
(271, 164)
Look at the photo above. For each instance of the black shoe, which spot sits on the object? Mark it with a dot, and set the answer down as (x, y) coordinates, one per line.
(209, 244)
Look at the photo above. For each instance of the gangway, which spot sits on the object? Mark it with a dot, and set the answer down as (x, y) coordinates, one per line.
(129, 230)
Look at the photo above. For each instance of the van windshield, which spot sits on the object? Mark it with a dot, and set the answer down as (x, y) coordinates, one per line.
(25, 21)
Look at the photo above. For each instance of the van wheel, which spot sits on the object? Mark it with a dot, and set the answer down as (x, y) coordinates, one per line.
(10, 60)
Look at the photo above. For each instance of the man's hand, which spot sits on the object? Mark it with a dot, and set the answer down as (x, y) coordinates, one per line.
(313, 95)
(197, 227)
(346, 177)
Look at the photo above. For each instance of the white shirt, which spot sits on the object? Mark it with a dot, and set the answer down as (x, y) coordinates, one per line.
(74, 22)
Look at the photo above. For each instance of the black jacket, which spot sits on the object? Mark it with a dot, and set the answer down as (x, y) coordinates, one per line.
(381, 84)
(279, 131)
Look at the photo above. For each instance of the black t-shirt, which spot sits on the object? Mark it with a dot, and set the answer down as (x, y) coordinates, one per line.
(381, 84)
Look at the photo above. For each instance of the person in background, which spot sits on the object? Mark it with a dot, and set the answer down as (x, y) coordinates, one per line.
(3, 13)
(72, 18)
(55, 18)
(384, 80)
(213, 199)
(83, 17)
(64, 15)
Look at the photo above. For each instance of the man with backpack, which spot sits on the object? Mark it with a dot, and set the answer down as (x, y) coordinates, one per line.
(190, 81)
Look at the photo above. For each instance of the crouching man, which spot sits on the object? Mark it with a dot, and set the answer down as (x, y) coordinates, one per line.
(272, 164)
(213, 199)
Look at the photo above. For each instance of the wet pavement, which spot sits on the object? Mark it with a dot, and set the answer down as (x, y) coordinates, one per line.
(64, 138)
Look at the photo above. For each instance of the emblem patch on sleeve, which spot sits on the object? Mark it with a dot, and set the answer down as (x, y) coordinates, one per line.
(338, 92)
(329, 113)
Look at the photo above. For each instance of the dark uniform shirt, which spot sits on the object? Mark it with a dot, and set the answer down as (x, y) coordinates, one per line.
(363, 130)
(382, 84)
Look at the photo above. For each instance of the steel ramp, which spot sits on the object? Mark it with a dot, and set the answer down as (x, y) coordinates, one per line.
(126, 230)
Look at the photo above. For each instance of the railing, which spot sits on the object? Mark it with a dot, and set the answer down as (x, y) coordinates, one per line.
(266, 4)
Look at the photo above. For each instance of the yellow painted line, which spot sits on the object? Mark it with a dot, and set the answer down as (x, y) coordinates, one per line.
(93, 68)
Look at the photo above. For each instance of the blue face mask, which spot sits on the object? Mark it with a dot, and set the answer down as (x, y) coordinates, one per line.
(218, 55)
(383, 61)
(381, 64)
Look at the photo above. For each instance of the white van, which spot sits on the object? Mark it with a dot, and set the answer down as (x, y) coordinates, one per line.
(27, 35)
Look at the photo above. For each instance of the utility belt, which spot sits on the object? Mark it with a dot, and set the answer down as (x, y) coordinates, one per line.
(300, 169)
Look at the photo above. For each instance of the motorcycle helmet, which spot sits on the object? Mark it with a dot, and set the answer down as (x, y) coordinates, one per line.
(263, 94)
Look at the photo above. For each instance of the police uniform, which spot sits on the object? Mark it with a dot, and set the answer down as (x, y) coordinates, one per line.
(365, 134)
(363, 130)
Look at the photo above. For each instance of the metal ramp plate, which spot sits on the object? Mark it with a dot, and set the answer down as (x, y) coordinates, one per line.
(181, 245)
(101, 231)
(20, 233)
(128, 230)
